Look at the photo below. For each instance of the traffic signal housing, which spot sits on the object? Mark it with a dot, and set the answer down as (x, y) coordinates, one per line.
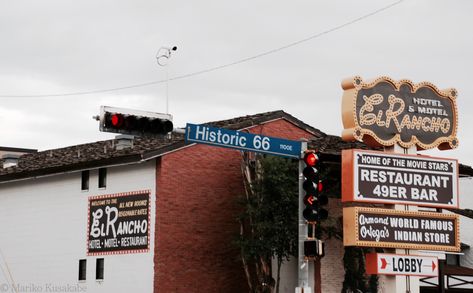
(313, 186)
(134, 122)
(314, 248)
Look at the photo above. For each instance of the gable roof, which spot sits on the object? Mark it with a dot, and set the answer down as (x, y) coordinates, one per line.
(103, 153)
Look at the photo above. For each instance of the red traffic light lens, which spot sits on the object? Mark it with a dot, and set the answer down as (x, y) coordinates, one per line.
(309, 199)
(311, 159)
(320, 186)
(117, 120)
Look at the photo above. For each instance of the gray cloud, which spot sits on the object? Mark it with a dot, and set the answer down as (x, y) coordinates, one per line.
(67, 46)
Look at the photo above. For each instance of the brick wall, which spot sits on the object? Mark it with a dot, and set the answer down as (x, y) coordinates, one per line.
(196, 214)
(332, 271)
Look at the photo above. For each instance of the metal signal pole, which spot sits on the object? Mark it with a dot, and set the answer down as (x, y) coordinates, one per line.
(303, 264)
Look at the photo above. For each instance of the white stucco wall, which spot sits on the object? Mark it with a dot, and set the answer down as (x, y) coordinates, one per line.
(43, 227)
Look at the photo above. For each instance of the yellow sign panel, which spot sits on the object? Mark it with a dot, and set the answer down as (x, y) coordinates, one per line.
(385, 112)
(373, 227)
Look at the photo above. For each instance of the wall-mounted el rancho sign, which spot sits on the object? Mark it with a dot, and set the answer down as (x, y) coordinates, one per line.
(373, 227)
(388, 178)
(119, 223)
(385, 112)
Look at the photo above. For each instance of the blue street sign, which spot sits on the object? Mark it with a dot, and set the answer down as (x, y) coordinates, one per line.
(242, 140)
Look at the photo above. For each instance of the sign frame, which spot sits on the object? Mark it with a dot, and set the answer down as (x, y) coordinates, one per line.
(374, 131)
(372, 264)
(118, 195)
(351, 229)
(244, 141)
(350, 186)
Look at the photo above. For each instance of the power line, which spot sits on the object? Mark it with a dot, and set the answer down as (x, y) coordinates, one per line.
(215, 68)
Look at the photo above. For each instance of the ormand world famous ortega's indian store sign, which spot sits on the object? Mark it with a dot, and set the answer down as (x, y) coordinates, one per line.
(119, 223)
(385, 228)
(379, 177)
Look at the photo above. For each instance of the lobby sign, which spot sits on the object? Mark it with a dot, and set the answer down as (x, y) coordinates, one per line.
(401, 264)
(119, 223)
(385, 112)
(374, 227)
(387, 178)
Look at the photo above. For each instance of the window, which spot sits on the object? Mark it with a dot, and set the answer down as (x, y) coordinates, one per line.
(85, 180)
(102, 177)
(453, 259)
(82, 269)
(99, 269)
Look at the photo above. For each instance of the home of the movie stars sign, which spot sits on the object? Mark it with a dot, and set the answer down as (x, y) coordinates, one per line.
(384, 113)
(378, 177)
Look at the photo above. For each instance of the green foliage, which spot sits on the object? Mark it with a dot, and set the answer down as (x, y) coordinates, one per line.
(280, 205)
(272, 209)
(355, 279)
(270, 214)
(355, 273)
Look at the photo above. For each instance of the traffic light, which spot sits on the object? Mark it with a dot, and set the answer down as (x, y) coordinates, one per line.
(134, 122)
(313, 187)
(314, 248)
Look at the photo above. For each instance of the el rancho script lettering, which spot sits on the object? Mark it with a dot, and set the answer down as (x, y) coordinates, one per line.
(416, 116)
(400, 112)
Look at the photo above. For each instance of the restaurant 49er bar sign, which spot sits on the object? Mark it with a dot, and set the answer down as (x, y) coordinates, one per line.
(385, 112)
(119, 223)
(377, 177)
(373, 227)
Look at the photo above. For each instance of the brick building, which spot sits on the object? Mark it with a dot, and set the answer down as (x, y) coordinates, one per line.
(47, 198)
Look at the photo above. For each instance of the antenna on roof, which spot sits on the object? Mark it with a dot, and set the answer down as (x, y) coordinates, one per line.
(162, 57)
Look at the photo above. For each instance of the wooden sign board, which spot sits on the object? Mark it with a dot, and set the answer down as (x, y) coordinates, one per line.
(399, 264)
(119, 223)
(374, 227)
(385, 112)
(387, 178)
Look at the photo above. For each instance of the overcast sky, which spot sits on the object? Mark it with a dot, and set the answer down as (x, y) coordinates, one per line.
(55, 47)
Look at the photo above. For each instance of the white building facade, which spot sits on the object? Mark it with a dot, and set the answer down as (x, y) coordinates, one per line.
(43, 228)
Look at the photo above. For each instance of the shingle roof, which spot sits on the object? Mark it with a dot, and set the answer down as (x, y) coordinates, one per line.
(78, 157)
(104, 153)
(250, 120)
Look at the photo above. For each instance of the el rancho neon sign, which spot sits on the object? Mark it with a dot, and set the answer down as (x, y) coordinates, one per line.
(385, 112)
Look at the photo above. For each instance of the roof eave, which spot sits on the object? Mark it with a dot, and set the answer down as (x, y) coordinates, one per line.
(113, 161)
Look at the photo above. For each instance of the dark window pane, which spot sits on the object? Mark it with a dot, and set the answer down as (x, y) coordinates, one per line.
(453, 259)
(102, 177)
(99, 269)
(82, 269)
(85, 180)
